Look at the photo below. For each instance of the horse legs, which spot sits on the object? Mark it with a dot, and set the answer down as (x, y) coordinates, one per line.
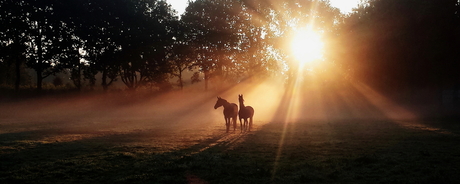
(235, 122)
(250, 123)
(246, 126)
(231, 123)
(241, 125)
(227, 123)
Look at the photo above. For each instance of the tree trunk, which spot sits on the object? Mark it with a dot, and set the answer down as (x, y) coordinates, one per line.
(206, 80)
(39, 68)
(104, 80)
(18, 74)
(181, 83)
(39, 80)
(79, 77)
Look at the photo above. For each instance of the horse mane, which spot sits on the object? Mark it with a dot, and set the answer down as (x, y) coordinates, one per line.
(230, 112)
(223, 99)
(245, 112)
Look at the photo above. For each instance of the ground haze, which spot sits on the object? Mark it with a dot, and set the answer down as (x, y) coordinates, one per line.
(301, 134)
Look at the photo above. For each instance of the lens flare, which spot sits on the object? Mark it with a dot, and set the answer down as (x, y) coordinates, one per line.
(307, 46)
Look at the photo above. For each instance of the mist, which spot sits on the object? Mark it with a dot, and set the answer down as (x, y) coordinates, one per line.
(191, 109)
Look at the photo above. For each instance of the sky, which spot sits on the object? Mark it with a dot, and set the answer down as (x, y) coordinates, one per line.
(345, 6)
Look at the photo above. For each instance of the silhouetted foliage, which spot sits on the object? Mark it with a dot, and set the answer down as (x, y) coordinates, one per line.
(402, 44)
(276, 21)
(57, 81)
(180, 57)
(213, 35)
(388, 44)
(13, 39)
(195, 77)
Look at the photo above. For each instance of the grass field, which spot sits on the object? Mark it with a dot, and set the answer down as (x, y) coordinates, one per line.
(100, 140)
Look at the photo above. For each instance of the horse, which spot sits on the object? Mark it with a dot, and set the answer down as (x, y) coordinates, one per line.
(245, 113)
(230, 112)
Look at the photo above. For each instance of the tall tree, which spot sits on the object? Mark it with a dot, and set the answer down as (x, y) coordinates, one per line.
(36, 34)
(49, 38)
(213, 34)
(13, 36)
(147, 38)
(180, 57)
(402, 44)
(101, 36)
(278, 20)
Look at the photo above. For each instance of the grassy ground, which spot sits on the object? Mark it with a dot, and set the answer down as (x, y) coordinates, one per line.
(180, 138)
(352, 151)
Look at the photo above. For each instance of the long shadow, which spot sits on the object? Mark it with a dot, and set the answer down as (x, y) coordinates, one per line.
(351, 151)
(313, 151)
(351, 105)
(133, 156)
(358, 102)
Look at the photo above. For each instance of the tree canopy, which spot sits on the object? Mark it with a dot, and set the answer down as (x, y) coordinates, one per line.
(388, 44)
(402, 44)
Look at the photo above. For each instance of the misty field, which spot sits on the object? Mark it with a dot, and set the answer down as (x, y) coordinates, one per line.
(182, 139)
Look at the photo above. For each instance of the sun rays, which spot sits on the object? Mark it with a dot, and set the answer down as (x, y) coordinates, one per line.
(307, 46)
(187, 125)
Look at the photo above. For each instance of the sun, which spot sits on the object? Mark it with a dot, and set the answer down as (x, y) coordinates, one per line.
(307, 46)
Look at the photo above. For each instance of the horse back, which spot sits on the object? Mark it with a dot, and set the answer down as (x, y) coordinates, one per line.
(247, 112)
(231, 111)
(250, 110)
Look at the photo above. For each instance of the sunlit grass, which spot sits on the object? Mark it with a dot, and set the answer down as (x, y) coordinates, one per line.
(313, 151)
(304, 131)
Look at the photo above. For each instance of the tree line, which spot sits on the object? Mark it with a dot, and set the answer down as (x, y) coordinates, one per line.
(388, 44)
(405, 47)
(408, 44)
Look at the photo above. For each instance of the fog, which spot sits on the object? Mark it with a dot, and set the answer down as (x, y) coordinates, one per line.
(74, 117)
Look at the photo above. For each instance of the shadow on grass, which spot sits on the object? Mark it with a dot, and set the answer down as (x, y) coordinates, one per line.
(313, 152)
(340, 150)
(139, 156)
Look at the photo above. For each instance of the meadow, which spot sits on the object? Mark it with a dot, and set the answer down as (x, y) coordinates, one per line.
(111, 139)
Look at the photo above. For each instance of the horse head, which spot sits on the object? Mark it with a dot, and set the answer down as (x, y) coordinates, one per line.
(240, 98)
(220, 102)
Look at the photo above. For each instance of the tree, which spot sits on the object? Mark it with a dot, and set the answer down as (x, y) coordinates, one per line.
(277, 20)
(13, 36)
(35, 33)
(402, 45)
(101, 36)
(180, 58)
(57, 81)
(213, 35)
(149, 36)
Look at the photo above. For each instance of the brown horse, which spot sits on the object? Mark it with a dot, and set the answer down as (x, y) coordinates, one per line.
(245, 113)
(230, 112)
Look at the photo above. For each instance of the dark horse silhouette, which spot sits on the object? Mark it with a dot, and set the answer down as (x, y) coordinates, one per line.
(245, 113)
(230, 112)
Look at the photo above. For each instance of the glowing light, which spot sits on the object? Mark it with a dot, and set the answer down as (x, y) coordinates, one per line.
(345, 6)
(307, 46)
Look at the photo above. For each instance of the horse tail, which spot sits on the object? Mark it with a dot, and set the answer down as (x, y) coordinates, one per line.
(250, 123)
(234, 123)
(250, 118)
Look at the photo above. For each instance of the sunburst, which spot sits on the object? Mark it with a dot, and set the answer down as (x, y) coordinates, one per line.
(307, 46)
